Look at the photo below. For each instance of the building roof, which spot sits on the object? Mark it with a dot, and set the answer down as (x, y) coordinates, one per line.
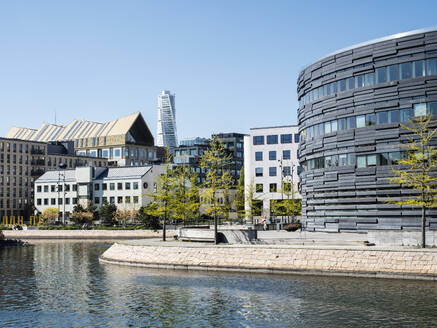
(370, 42)
(77, 129)
(130, 172)
(110, 173)
(275, 127)
(57, 175)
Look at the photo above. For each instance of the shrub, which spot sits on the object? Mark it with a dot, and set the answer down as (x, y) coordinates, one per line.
(292, 226)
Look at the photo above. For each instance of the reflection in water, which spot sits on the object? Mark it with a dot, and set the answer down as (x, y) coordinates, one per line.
(62, 284)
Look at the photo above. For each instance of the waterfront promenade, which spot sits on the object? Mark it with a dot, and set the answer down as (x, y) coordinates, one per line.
(340, 260)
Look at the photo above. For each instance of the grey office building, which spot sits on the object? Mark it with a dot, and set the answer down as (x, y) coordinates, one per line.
(351, 106)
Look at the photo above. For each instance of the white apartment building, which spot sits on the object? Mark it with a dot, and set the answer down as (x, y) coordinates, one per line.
(127, 187)
(270, 161)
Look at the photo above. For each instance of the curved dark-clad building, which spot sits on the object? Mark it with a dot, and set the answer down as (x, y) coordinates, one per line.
(351, 105)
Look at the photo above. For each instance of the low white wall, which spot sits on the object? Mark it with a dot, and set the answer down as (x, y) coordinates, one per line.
(86, 234)
(401, 237)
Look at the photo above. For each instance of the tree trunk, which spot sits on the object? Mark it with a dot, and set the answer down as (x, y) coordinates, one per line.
(423, 227)
(215, 230)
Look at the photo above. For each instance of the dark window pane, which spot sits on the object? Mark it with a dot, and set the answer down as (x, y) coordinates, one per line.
(393, 73)
(431, 66)
(359, 81)
(405, 71)
(370, 119)
(419, 68)
(432, 108)
(350, 83)
(341, 85)
(258, 156)
(272, 139)
(381, 75)
(394, 116)
(286, 138)
(258, 140)
(382, 118)
(383, 159)
(351, 122)
(326, 90)
(369, 79)
(272, 155)
(333, 87)
(394, 157)
(406, 114)
(297, 137)
(342, 124)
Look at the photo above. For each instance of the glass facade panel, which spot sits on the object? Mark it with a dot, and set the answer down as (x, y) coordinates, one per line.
(361, 121)
(342, 85)
(342, 124)
(333, 126)
(431, 66)
(361, 161)
(350, 83)
(359, 81)
(406, 114)
(405, 70)
(393, 73)
(432, 107)
(382, 118)
(351, 124)
(327, 127)
(342, 159)
(394, 116)
(419, 110)
(418, 68)
(370, 119)
(381, 75)
(371, 160)
(369, 79)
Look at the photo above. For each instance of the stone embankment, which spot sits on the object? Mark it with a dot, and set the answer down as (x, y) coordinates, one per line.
(281, 259)
(85, 234)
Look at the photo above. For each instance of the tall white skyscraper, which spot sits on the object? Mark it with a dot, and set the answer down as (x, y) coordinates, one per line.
(166, 134)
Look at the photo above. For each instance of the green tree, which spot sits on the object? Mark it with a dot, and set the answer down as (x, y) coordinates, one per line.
(417, 167)
(163, 197)
(50, 214)
(239, 202)
(253, 202)
(148, 221)
(215, 161)
(288, 205)
(106, 212)
(186, 194)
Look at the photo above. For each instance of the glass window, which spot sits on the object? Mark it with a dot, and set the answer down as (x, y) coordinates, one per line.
(272, 155)
(342, 124)
(369, 79)
(119, 199)
(405, 69)
(370, 119)
(259, 187)
(328, 161)
(333, 126)
(351, 124)
(104, 186)
(135, 185)
(419, 110)
(112, 200)
(327, 127)
(361, 121)
(342, 159)
(273, 187)
(259, 172)
(112, 186)
(431, 66)
(272, 171)
(296, 137)
(135, 199)
(361, 161)
(117, 152)
(341, 85)
(383, 159)
(393, 116)
(326, 90)
(333, 87)
(359, 81)
(432, 108)
(96, 186)
(350, 83)
(286, 154)
(393, 73)
(394, 157)
(258, 156)
(381, 117)
(96, 200)
(371, 160)
(127, 199)
(350, 159)
(258, 140)
(127, 185)
(286, 138)
(418, 68)
(286, 171)
(272, 140)
(381, 75)
(406, 114)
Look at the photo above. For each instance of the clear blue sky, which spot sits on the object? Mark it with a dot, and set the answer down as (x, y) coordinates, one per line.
(232, 64)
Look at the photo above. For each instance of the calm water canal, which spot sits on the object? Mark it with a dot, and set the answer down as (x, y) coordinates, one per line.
(62, 284)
